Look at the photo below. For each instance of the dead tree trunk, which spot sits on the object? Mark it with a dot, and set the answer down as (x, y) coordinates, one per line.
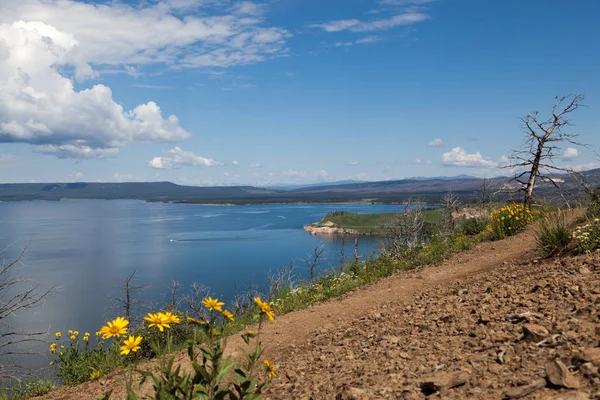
(536, 157)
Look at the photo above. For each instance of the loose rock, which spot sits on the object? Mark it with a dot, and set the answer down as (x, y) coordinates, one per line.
(522, 391)
(443, 381)
(558, 374)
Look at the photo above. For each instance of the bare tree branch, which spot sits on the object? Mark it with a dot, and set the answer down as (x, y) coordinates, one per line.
(537, 154)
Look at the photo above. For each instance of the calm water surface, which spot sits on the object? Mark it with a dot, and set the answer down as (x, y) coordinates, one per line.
(86, 246)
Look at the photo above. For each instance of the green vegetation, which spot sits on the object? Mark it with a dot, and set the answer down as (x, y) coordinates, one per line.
(31, 388)
(553, 235)
(508, 221)
(373, 224)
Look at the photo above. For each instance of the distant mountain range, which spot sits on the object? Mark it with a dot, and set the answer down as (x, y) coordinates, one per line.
(425, 189)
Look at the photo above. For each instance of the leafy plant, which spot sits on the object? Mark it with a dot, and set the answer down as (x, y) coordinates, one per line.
(587, 237)
(508, 220)
(31, 388)
(553, 235)
(473, 226)
(209, 378)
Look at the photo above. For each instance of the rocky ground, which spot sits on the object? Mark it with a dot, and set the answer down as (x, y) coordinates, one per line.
(527, 330)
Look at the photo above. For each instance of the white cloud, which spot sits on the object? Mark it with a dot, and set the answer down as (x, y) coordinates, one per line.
(255, 165)
(458, 157)
(79, 151)
(322, 174)
(570, 153)
(352, 164)
(236, 162)
(366, 40)
(249, 8)
(419, 161)
(45, 44)
(77, 176)
(117, 34)
(40, 106)
(585, 167)
(356, 25)
(179, 158)
(436, 143)
(292, 173)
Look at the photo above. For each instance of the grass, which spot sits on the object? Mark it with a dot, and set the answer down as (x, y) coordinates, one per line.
(32, 388)
(372, 223)
(553, 235)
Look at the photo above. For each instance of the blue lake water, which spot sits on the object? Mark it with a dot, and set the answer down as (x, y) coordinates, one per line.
(86, 246)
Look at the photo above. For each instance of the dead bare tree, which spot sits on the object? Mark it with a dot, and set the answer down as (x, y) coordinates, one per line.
(407, 228)
(175, 286)
(17, 294)
(194, 299)
(543, 139)
(342, 254)
(312, 261)
(450, 205)
(487, 191)
(281, 279)
(127, 302)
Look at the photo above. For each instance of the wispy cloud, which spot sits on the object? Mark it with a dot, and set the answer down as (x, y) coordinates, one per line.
(366, 40)
(356, 25)
(436, 143)
(352, 164)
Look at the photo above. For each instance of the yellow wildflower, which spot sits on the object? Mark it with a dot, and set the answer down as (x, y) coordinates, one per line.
(227, 315)
(270, 369)
(196, 321)
(51, 362)
(58, 335)
(171, 318)
(158, 320)
(116, 328)
(213, 304)
(95, 375)
(265, 308)
(75, 333)
(73, 337)
(131, 344)
(70, 332)
(53, 348)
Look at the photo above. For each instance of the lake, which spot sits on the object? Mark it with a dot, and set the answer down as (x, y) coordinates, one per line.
(86, 247)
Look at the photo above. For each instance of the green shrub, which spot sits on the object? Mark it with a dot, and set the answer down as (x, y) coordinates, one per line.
(508, 220)
(31, 388)
(473, 226)
(553, 236)
(593, 207)
(76, 360)
(462, 243)
(587, 237)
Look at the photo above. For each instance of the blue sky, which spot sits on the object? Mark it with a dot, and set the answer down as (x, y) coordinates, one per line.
(209, 92)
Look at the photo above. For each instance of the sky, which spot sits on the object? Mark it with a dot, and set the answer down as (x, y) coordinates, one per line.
(224, 92)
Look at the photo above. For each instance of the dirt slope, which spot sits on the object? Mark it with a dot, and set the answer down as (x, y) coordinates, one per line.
(382, 340)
